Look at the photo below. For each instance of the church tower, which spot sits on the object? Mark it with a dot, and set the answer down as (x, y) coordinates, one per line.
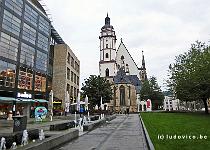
(107, 63)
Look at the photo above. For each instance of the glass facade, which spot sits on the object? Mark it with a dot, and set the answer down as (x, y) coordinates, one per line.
(41, 61)
(31, 15)
(44, 25)
(24, 47)
(7, 74)
(29, 33)
(27, 55)
(42, 42)
(8, 46)
(15, 5)
(11, 23)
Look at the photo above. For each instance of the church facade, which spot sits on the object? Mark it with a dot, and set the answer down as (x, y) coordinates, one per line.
(118, 66)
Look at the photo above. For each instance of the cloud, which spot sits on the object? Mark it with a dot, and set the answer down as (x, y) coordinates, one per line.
(163, 29)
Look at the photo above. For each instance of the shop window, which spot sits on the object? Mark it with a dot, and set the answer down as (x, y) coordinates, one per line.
(25, 78)
(7, 74)
(40, 82)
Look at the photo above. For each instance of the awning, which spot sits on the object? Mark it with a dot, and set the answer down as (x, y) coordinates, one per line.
(10, 99)
(7, 99)
(41, 100)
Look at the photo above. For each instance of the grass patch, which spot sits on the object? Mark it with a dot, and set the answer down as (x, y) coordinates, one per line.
(182, 124)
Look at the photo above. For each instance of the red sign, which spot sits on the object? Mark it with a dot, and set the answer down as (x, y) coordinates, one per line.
(148, 103)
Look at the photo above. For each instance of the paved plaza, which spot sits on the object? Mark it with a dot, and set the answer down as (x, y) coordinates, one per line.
(122, 133)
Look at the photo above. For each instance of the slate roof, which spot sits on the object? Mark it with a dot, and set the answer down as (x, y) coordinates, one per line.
(122, 78)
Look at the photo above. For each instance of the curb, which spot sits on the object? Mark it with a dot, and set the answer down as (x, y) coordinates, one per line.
(148, 140)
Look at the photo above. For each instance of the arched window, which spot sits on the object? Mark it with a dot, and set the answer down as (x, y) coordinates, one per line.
(122, 95)
(106, 45)
(122, 57)
(107, 72)
(107, 55)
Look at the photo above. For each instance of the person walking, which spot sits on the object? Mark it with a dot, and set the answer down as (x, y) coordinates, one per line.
(127, 111)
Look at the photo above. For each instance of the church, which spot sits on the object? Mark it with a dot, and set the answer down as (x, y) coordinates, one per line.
(118, 66)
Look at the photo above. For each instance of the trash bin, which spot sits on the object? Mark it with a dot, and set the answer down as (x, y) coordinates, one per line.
(20, 123)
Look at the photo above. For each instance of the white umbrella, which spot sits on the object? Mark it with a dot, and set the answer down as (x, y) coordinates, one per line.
(50, 103)
(102, 106)
(67, 102)
(78, 102)
(86, 102)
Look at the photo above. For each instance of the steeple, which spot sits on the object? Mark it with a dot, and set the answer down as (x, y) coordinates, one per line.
(107, 20)
(143, 61)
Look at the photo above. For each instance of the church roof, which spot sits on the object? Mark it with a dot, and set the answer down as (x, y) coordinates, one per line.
(122, 78)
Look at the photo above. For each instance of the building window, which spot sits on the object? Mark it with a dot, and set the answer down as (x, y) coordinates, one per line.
(41, 61)
(75, 92)
(122, 95)
(76, 66)
(77, 80)
(15, 5)
(106, 45)
(44, 25)
(31, 15)
(27, 55)
(68, 58)
(107, 72)
(68, 88)
(11, 23)
(68, 73)
(122, 57)
(40, 82)
(71, 92)
(129, 92)
(72, 61)
(7, 74)
(72, 76)
(42, 42)
(107, 55)
(25, 78)
(29, 33)
(8, 46)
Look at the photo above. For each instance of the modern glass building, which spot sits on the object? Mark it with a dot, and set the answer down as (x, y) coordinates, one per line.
(25, 35)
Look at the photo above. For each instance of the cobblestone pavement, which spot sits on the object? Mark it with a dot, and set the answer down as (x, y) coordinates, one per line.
(122, 133)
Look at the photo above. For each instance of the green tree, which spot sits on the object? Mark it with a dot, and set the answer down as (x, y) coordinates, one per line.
(190, 74)
(151, 90)
(96, 87)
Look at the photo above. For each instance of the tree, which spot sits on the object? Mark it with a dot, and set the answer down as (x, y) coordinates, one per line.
(96, 87)
(190, 74)
(151, 90)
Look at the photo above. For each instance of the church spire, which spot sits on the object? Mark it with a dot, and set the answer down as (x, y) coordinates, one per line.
(107, 20)
(143, 61)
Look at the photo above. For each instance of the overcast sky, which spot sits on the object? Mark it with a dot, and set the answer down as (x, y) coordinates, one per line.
(162, 28)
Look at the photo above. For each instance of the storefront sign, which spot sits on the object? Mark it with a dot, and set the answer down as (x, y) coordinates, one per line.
(24, 95)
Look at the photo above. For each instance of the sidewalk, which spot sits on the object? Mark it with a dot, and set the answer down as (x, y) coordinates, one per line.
(123, 133)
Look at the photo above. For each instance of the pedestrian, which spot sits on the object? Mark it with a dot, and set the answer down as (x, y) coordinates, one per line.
(128, 111)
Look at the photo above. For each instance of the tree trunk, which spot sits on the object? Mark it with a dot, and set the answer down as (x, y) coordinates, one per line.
(205, 105)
